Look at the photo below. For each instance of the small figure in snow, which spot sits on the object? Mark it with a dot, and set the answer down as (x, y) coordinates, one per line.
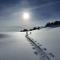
(26, 33)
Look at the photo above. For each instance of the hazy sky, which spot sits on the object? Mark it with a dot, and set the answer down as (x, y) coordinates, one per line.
(40, 11)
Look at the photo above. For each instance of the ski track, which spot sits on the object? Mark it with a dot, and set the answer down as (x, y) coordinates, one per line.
(42, 52)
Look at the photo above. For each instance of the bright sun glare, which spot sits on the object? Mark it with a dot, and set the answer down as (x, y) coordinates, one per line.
(26, 16)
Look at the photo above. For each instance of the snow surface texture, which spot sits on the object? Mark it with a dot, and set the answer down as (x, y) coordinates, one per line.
(15, 46)
(49, 38)
(43, 54)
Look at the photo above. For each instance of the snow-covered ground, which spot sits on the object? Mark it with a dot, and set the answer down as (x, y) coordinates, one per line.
(15, 46)
(50, 39)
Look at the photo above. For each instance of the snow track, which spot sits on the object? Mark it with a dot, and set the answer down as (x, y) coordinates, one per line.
(42, 52)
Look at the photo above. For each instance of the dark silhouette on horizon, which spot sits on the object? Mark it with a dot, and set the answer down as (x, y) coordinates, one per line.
(53, 24)
(49, 24)
(4, 35)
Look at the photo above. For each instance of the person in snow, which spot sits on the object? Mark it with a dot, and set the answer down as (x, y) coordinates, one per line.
(26, 33)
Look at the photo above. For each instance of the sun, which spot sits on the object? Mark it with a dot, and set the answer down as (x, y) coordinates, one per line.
(26, 16)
